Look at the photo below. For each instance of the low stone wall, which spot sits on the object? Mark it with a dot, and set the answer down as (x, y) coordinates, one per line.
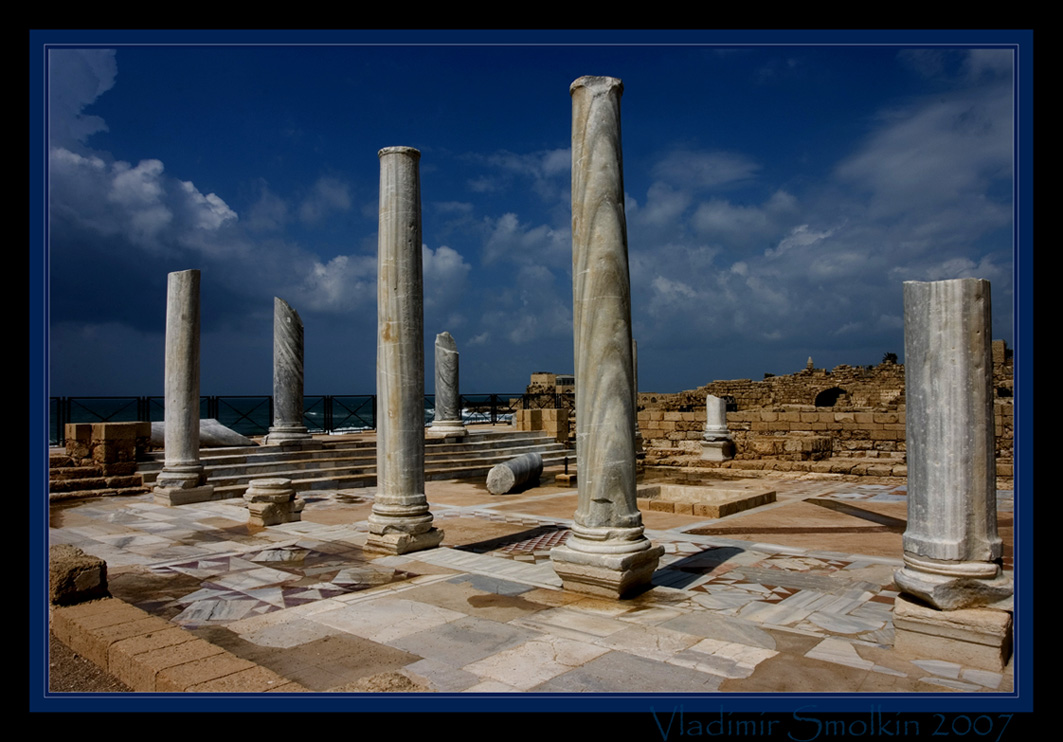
(805, 434)
(550, 420)
(100, 460)
(114, 447)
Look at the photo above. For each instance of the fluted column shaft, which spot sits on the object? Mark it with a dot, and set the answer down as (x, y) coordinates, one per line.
(447, 419)
(287, 375)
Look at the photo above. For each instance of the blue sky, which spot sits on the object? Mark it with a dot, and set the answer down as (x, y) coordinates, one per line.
(777, 197)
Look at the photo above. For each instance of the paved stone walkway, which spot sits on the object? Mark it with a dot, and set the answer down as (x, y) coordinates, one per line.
(793, 596)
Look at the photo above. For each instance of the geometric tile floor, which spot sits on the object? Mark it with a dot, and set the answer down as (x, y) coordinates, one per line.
(485, 613)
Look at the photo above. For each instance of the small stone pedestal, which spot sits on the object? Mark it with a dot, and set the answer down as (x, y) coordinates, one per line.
(723, 450)
(975, 637)
(271, 502)
(717, 444)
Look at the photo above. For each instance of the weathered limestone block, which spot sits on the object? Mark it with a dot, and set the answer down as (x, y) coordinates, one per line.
(607, 552)
(272, 501)
(517, 472)
(74, 576)
(976, 637)
(400, 521)
(78, 441)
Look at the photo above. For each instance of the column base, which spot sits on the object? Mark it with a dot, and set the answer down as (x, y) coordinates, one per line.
(717, 450)
(283, 436)
(402, 543)
(975, 637)
(604, 574)
(954, 592)
(446, 429)
(171, 496)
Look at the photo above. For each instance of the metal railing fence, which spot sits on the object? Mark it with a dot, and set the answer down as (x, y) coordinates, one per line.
(251, 415)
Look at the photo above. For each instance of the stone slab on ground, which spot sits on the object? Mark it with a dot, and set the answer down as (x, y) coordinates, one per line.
(976, 637)
(711, 502)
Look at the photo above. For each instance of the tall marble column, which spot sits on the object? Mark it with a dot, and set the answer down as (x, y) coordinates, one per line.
(287, 425)
(400, 521)
(182, 479)
(951, 548)
(607, 552)
(447, 421)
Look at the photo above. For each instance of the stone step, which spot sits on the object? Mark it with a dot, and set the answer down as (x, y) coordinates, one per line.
(74, 472)
(100, 492)
(348, 464)
(347, 469)
(77, 485)
(336, 480)
(273, 464)
(357, 449)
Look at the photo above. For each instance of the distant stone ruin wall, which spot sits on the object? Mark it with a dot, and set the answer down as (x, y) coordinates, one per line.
(856, 388)
(880, 387)
(807, 433)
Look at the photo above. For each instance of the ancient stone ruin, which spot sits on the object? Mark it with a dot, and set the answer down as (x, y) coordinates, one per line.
(607, 552)
(401, 521)
(447, 422)
(287, 428)
(182, 479)
(955, 600)
(517, 472)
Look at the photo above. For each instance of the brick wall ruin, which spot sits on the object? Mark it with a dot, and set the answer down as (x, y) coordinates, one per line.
(849, 412)
(849, 418)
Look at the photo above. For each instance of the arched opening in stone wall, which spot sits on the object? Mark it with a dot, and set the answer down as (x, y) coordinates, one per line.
(829, 397)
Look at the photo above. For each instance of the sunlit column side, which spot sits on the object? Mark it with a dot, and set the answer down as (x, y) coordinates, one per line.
(182, 478)
(951, 548)
(447, 421)
(400, 521)
(607, 552)
(287, 425)
(639, 452)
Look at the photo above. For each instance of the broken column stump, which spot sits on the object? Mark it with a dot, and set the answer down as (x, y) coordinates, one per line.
(273, 501)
